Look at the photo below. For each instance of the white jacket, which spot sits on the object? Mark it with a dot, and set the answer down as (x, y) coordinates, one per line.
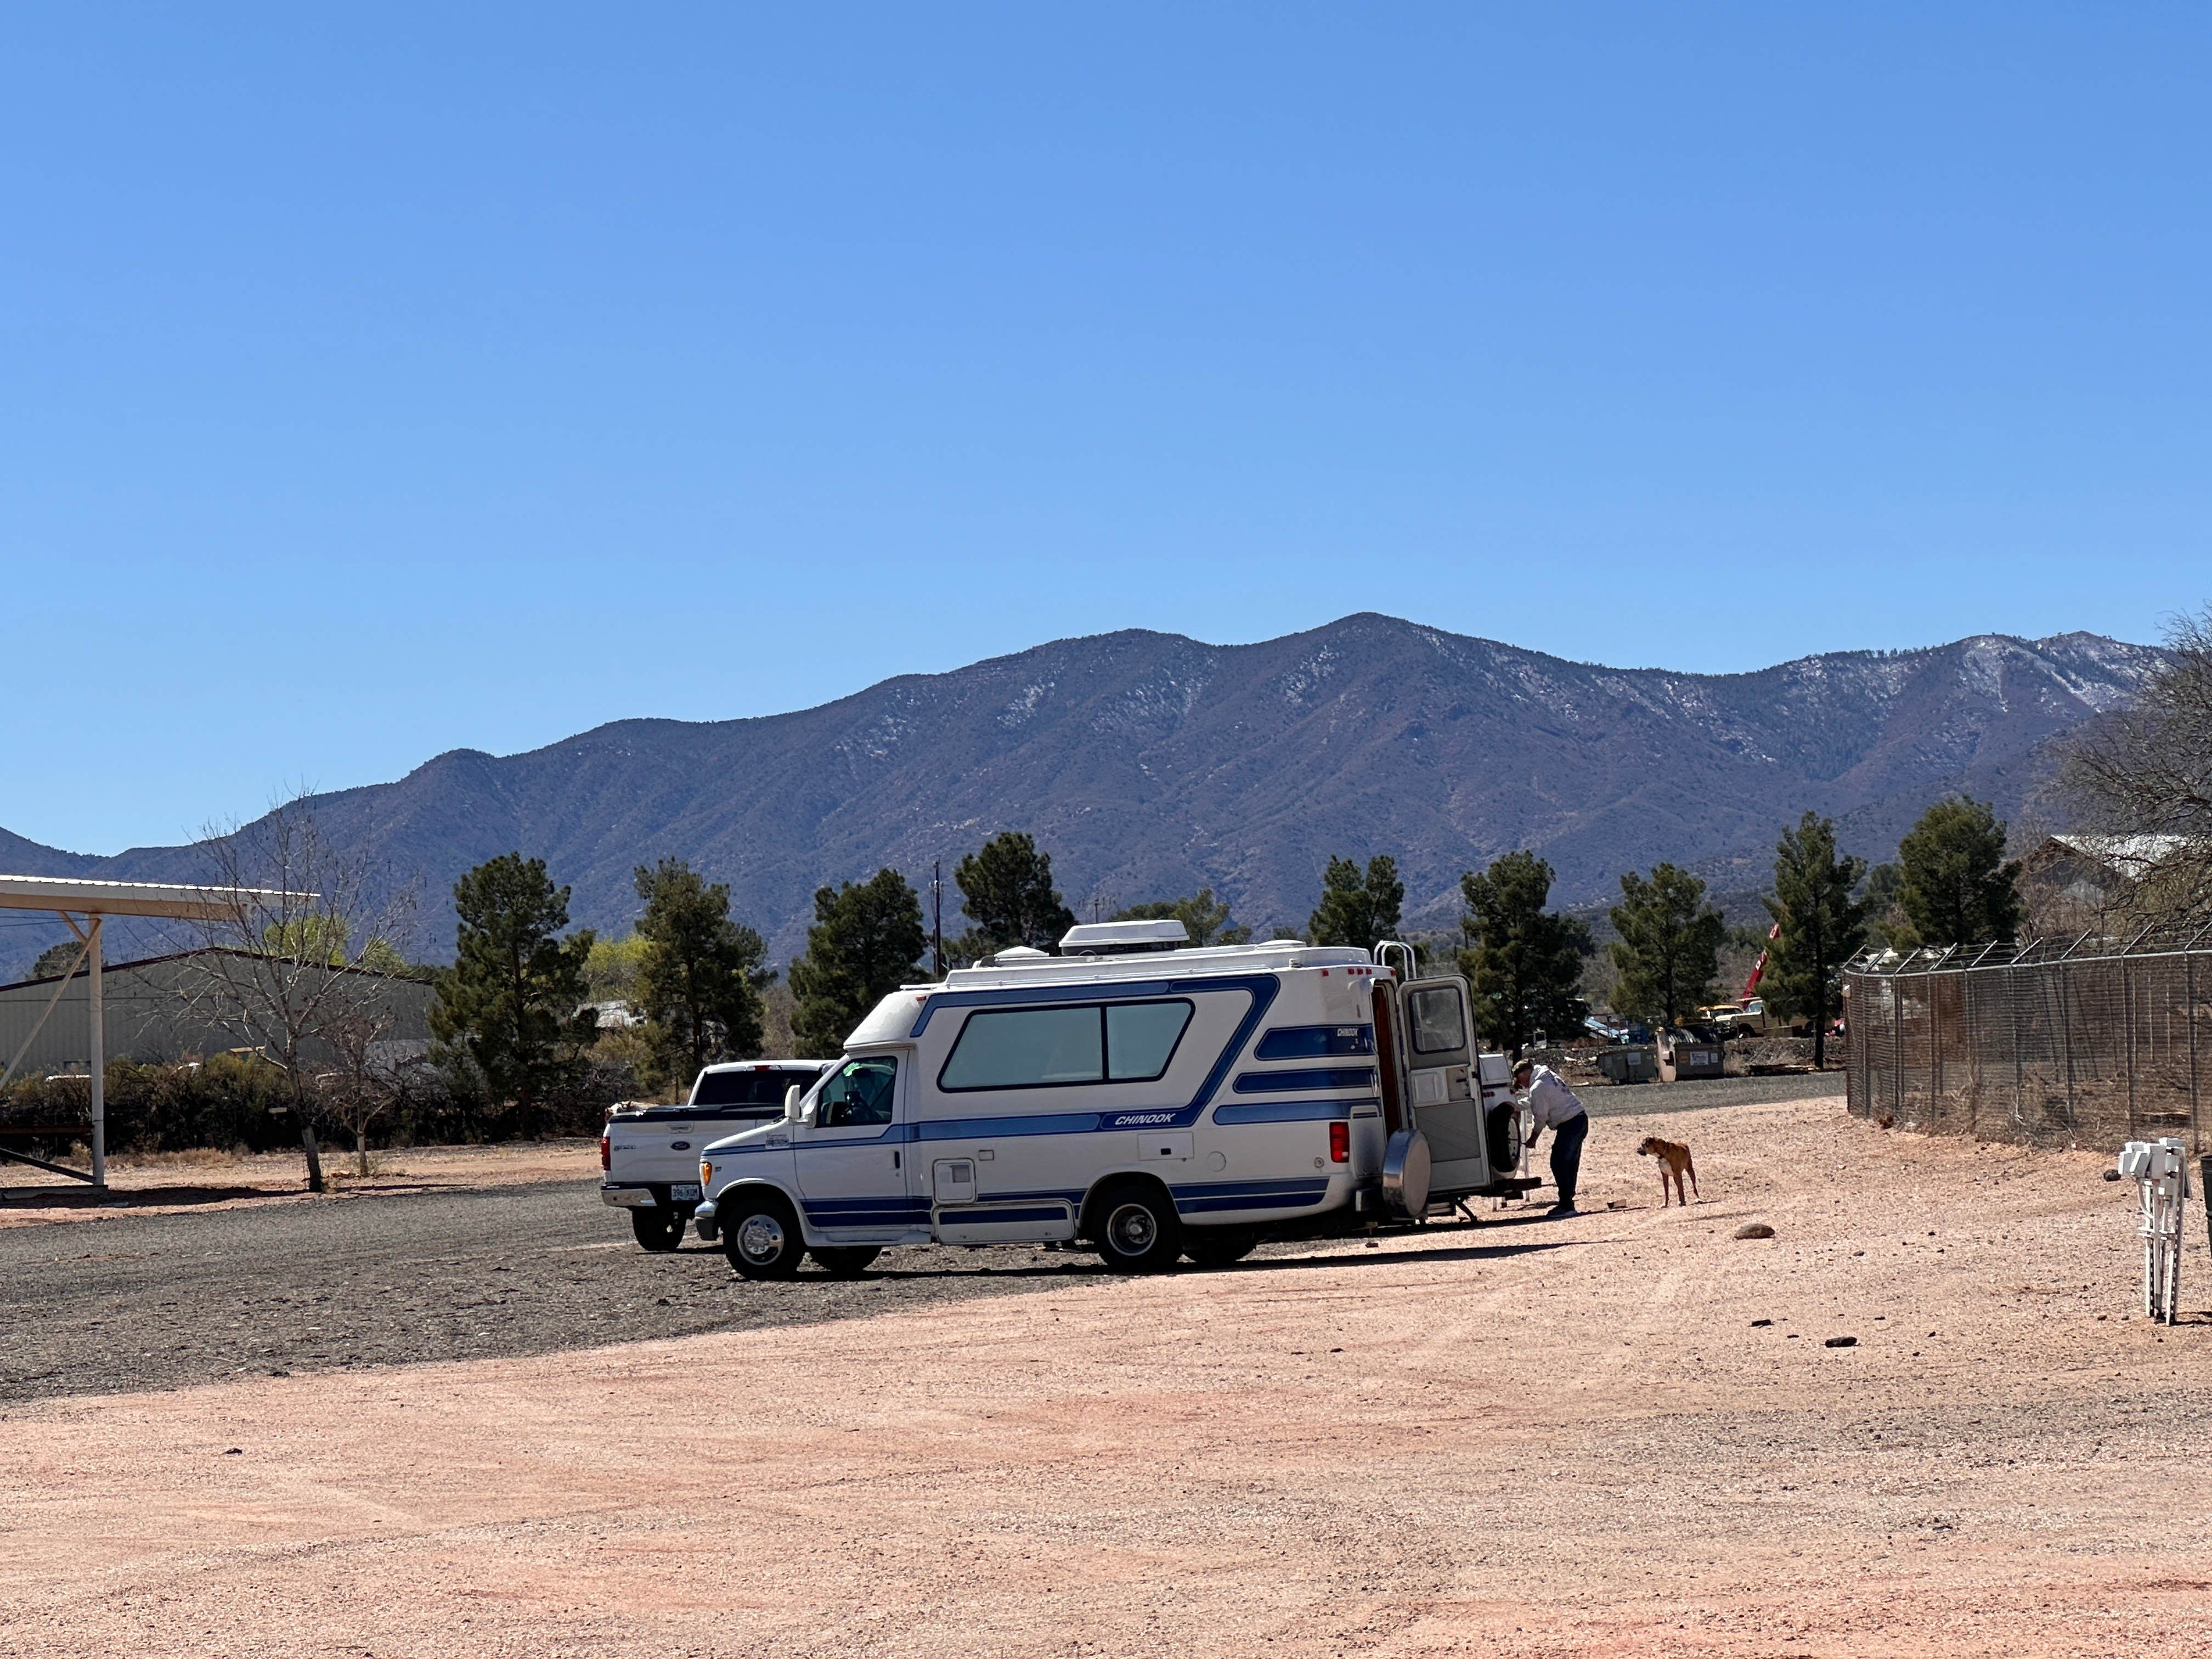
(1549, 1101)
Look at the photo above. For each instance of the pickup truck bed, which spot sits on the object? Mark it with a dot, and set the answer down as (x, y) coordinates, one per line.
(649, 1155)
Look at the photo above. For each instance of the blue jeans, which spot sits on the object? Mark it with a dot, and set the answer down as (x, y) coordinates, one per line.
(1567, 1155)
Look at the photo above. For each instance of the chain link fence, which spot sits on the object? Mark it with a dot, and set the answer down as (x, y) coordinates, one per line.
(2046, 1043)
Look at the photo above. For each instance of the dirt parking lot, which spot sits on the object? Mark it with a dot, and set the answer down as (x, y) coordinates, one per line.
(1534, 1437)
(190, 1183)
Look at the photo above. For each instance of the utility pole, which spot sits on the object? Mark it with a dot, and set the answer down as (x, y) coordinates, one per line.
(937, 903)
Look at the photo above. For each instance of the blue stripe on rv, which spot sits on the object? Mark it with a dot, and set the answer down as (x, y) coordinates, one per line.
(1198, 1198)
(1284, 1083)
(1288, 1111)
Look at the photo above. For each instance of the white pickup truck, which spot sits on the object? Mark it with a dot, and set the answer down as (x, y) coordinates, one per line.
(649, 1155)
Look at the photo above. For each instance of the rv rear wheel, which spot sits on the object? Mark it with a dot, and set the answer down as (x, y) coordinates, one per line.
(1217, 1246)
(659, 1231)
(760, 1236)
(845, 1260)
(1138, 1231)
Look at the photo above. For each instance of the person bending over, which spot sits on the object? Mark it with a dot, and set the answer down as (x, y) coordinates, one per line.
(1553, 1107)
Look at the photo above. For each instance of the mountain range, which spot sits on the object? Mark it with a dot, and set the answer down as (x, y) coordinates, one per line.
(1149, 764)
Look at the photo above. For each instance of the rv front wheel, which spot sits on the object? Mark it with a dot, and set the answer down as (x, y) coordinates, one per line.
(761, 1237)
(1138, 1232)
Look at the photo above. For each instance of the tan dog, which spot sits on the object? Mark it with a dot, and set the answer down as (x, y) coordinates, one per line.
(1674, 1162)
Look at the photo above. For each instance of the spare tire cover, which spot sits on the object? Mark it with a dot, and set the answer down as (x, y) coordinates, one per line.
(1405, 1172)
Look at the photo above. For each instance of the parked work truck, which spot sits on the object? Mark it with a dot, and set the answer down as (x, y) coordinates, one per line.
(1155, 1102)
(1750, 1018)
(649, 1155)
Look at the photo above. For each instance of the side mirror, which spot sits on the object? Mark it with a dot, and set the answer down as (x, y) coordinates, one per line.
(790, 1104)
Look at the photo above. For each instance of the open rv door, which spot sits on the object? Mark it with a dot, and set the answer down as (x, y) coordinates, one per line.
(1441, 1082)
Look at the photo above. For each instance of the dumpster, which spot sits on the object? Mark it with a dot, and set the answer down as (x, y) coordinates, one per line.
(1628, 1062)
(1685, 1055)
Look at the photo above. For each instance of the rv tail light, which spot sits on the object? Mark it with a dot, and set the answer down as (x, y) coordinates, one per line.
(606, 1154)
(1340, 1143)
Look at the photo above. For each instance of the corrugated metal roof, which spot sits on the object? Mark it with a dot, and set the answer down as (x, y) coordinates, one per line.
(127, 899)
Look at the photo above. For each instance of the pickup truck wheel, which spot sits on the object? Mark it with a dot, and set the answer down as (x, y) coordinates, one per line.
(760, 1236)
(660, 1231)
(845, 1260)
(1217, 1246)
(1138, 1228)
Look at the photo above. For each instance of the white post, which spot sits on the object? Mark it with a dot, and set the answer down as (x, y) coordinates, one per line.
(98, 1013)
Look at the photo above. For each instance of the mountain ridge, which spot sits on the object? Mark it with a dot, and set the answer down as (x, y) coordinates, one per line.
(1150, 763)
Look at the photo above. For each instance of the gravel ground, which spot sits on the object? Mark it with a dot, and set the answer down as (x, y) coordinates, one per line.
(166, 1301)
(1622, 1433)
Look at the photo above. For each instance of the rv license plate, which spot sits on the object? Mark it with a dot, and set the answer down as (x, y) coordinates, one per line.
(691, 1189)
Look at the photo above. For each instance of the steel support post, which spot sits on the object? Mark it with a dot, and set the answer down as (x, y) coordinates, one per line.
(1896, 984)
(2018, 1062)
(2066, 1038)
(2128, 1013)
(1935, 1058)
(2196, 1131)
(96, 1013)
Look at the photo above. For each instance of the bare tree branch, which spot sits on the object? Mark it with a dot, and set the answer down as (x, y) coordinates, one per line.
(2143, 778)
(280, 969)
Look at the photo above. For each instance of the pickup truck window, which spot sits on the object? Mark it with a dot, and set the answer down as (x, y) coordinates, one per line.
(858, 1091)
(761, 1089)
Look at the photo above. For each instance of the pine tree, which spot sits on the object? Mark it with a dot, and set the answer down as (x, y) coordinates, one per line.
(699, 977)
(1823, 926)
(1887, 925)
(1006, 888)
(1357, 906)
(55, 959)
(1669, 946)
(1204, 918)
(1523, 965)
(509, 1003)
(864, 944)
(1954, 884)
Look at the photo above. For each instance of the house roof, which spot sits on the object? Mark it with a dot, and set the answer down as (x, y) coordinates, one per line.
(2132, 856)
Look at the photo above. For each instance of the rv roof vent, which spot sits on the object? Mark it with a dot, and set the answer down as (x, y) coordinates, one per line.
(1099, 938)
(1019, 953)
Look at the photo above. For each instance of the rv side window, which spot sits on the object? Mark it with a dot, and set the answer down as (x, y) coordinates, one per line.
(858, 1091)
(1022, 1047)
(1435, 1019)
(1048, 1048)
(1142, 1038)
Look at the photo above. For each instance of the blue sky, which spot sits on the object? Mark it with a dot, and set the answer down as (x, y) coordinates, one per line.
(444, 377)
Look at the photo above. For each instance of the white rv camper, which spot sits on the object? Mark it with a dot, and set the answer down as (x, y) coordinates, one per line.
(1154, 1101)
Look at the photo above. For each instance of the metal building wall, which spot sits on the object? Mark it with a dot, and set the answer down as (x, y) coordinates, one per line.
(151, 1016)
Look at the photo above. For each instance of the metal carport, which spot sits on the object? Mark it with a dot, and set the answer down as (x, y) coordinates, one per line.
(94, 900)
